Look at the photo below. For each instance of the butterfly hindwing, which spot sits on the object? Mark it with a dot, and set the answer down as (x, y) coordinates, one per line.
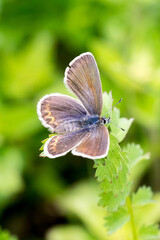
(95, 145)
(59, 145)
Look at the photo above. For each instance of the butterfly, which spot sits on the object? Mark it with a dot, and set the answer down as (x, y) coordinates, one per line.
(77, 123)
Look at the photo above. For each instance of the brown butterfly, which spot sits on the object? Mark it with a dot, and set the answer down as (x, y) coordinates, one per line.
(79, 124)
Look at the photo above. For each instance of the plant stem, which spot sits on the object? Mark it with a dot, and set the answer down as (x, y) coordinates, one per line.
(130, 210)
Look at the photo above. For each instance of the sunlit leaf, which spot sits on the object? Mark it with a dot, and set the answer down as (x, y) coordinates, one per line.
(117, 219)
(121, 122)
(135, 153)
(113, 176)
(142, 197)
(149, 232)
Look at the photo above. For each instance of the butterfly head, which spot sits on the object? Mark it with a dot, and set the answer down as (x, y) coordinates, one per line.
(105, 120)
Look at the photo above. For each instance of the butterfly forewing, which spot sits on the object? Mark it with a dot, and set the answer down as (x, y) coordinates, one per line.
(95, 145)
(60, 113)
(82, 77)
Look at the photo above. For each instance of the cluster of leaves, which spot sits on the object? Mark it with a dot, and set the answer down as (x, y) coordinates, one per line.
(113, 175)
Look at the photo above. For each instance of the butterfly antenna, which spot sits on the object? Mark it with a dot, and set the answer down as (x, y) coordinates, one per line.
(113, 106)
(117, 125)
(109, 117)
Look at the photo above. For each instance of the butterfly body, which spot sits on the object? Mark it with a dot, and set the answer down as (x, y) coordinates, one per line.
(92, 121)
(75, 125)
(70, 126)
(79, 124)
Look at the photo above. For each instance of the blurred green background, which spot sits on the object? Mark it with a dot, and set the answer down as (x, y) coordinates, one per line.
(43, 198)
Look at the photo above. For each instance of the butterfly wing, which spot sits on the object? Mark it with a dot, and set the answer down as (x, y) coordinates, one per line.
(60, 113)
(95, 145)
(82, 77)
(59, 145)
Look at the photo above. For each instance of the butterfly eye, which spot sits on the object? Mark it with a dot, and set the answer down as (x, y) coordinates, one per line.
(103, 120)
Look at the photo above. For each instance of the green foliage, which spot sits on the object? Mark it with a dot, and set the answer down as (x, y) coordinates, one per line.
(117, 219)
(113, 177)
(115, 117)
(142, 197)
(32, 65)
(79, 202)
(149, 232)
(43, 142)
(113, 173)
(123, 122)
(68, 233)
(11, 172)
(135, 153)
(4, 235)
(115, 184)
(37, 41)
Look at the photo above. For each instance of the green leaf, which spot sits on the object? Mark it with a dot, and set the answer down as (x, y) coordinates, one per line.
(109, 169)
(142, 197)
(116, 220)
(135, 153)
(43, 142)
(118, 182)
(115, 117)
(113, 176)
(121, 122)
(149, 232)
(113, 201)
(42, 154)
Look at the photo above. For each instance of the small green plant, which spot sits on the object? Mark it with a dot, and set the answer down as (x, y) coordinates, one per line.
(113, 174)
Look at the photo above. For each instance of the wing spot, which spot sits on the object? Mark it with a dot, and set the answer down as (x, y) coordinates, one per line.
(54, 144)
(52, 120)
(48, 115)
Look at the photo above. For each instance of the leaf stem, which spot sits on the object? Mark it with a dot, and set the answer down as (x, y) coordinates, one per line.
(130, 210)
